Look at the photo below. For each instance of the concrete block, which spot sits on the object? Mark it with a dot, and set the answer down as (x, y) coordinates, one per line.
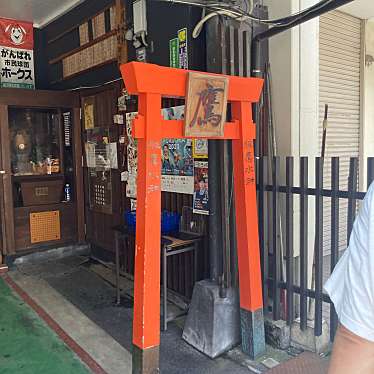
(306, 339)
(277, 333)
(213, 323)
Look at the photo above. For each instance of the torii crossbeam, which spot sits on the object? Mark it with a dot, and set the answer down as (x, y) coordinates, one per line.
(151, 83)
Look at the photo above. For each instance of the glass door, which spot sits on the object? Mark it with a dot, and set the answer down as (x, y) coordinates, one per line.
(1, 215)
(6, 196)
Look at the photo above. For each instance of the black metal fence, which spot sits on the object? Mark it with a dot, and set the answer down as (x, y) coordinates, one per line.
(285, 261)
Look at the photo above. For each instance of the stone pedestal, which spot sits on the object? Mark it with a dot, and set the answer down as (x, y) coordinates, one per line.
(213, 323)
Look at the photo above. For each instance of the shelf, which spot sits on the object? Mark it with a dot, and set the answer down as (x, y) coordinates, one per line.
(104, 127)
(33, 177)
(42, 207)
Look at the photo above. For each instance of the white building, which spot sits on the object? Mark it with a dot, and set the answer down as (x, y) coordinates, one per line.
(328, 60)
(324, 61)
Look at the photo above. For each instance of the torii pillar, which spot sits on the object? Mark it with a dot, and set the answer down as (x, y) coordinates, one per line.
(151, 83)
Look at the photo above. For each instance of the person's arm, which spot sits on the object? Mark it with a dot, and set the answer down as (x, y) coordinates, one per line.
(368, 211)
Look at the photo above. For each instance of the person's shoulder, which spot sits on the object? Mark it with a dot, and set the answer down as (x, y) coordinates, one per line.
(370, 192)
(368, 203)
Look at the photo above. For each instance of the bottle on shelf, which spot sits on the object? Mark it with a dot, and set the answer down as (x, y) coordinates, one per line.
(49, 165)
(67, 192)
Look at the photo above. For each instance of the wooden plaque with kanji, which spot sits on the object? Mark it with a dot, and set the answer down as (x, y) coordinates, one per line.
(206, 103)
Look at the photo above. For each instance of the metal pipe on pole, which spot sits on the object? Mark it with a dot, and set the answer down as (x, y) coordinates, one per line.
(215, 216)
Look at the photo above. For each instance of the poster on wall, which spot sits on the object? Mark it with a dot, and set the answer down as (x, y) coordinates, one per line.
(177, 166)
(16, 54)
(132, 157)
(174, 53)
(201, 195)
(90, 155)
(176, 158)
(111, 150)
(174, 112)
(200, 148)
(131, 187)
(88, 104)
(183, 48)
(177, 170)
(178, 50)
(132, 204)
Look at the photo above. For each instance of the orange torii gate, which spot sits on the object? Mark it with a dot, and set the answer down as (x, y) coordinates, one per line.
(151, 83)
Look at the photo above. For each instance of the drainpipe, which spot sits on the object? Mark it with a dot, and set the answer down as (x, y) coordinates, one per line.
(215, 215)
(256, 42)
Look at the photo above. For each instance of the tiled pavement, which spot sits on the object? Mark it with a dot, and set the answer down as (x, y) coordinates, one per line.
(306, 363)
(61, 276)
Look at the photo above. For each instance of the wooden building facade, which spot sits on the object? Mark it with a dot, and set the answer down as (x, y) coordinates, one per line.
(76, 68)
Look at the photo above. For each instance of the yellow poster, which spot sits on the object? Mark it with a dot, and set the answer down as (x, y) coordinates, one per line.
(200, 148)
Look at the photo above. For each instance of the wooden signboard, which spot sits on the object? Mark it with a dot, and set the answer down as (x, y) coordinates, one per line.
(88, 104)
(206, 103)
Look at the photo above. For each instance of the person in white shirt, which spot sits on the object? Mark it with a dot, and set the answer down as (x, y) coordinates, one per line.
(351, 289)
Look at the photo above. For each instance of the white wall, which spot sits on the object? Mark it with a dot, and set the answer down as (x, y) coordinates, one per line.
(309, 84)
(294, 63)
(282, 62)
(367, 127)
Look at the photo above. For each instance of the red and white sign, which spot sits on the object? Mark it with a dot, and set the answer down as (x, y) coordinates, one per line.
(16, 54)
(16, 34)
